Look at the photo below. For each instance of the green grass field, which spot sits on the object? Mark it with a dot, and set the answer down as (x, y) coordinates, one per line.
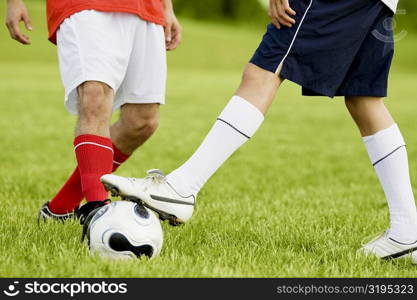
(296, 201)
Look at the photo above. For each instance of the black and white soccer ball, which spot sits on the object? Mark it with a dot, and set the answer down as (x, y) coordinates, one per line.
(124, 229)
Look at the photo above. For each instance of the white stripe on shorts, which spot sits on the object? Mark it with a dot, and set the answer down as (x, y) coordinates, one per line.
(295, 36)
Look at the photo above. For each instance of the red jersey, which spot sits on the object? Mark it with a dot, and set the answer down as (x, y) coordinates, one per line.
(58, 10)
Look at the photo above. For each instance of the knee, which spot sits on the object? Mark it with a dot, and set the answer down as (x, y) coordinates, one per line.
(256, 80)
(147, 127)
(252, 76)
(258, 86)
(95, 99)
(142, 127)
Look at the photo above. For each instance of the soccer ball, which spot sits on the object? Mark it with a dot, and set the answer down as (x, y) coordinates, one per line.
(124, 229)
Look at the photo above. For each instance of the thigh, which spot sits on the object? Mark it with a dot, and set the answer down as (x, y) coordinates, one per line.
(368, 73)
(317, 52)
(94, 46)
(146, 73)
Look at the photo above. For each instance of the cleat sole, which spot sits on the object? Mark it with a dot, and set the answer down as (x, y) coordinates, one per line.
(114, 191)
(163, 216)
(47, 216)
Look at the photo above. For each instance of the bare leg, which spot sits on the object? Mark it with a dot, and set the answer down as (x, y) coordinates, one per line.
(92, 145)
(369, 114)
(238, 122)
(95, 109)
(386, 149)
(136, 125)
(259, 87)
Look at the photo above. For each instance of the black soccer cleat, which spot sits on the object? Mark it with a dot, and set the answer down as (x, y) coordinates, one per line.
(88, 210)
(46, 214)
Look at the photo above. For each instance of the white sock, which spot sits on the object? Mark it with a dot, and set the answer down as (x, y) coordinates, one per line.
(388, 154)
(236, 124)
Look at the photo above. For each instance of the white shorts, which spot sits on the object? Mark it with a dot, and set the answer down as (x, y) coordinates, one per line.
(119, 49)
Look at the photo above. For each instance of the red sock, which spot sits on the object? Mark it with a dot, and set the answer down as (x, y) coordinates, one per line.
(95, 158)
(118, 158)
(71, 194)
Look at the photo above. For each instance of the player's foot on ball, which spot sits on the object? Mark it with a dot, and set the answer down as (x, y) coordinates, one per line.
(155, 192)
(387, 248)
(88, 209)
(46, 214)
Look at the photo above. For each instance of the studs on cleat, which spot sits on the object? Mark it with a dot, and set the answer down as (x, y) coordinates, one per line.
(131, 199)
(114, 191)
(173, 220)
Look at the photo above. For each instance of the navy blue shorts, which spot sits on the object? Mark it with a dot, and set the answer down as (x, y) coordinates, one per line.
(336, 47)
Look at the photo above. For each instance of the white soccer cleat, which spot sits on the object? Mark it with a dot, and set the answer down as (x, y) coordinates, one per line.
(414, 257)
(385, 247)
(155, 192)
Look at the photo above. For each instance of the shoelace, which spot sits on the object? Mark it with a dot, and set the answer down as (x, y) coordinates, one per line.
(156, 178)
(151, 178)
